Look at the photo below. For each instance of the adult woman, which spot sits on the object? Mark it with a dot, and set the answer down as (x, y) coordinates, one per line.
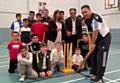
(55, 30)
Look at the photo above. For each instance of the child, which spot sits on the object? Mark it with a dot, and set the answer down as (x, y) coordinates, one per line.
(57, 57)
(34, 47)
(25, 64)
(39, 28)
(25, 32)
(44, 64)
(84, 46)
(13, 48)
(16, 25)
(77, 59)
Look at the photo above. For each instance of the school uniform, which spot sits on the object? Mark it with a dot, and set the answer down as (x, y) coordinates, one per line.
(43, 62)
(34, 48)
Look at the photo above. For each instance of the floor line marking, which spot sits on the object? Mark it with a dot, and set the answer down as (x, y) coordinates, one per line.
(4, 66)
(73, 80)
(84, 78)
(114, 81)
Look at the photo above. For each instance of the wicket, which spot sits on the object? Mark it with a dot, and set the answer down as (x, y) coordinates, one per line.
(68, 58)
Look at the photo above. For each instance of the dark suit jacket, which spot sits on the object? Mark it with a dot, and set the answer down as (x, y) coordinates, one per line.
(52, 33)
(40, 64)
(68, 26)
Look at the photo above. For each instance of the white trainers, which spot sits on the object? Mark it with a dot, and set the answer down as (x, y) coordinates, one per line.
(22, 78)
(91, 76)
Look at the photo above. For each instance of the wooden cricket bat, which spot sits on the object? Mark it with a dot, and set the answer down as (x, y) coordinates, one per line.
(84, 61)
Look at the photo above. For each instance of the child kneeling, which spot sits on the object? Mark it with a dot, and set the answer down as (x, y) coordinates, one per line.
(25, 64)
(43, 62)
(57, 59)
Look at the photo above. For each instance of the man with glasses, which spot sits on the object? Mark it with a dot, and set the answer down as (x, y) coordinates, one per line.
(100, 42)
(73, 28)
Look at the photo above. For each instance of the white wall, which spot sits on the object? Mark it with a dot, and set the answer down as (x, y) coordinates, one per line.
(62, 5)
(112, 16)
(8, 9)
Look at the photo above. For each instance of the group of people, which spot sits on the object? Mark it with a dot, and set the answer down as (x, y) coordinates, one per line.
(37, 45)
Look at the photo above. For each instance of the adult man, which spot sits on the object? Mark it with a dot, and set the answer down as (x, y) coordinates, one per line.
(100, 42)
(73, 28)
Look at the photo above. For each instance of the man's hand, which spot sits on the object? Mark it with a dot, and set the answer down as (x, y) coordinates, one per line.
(69, 33)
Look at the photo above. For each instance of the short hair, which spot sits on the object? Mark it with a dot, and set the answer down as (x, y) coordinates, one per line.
(62, 11)
(72, 9)
(31, 12)
(77, 49)
(85, 34)
(23, 47)
(25, 19)
(33, 35)
(58, 42)
(85, 6)
(79, 16)
(14, 32)
(18, 14)
(43, 44)
(38, 14)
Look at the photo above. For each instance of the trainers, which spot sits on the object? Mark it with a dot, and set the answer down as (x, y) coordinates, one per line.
(22, 78)
(98, 80)
(91, 76)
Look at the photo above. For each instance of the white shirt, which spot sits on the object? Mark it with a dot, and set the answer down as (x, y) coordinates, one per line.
(100, 26)
(25, 29)
(16, 26)
(25, 60)
(56, 56)
(44, 62)
(73, 27)
(77, 59)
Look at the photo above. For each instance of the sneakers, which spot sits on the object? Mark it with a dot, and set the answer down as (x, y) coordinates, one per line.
(95, 80)
(22, 78)
(91, 76)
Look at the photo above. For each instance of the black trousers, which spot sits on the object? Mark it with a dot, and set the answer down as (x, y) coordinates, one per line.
(72, 39)
(12, 66)
(100, 55)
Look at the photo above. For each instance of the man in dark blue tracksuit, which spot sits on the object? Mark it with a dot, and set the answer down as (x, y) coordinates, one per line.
(100, 42)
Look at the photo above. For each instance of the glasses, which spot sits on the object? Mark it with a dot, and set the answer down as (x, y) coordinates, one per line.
(72, 13)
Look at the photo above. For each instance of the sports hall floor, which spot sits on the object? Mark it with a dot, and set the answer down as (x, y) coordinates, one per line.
(112, 74)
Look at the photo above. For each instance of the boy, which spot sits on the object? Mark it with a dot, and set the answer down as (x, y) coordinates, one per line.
(39, 28)
(77, 59)
(13, 48)
(43, 63)
(25, 32)
(25, 64)
(57, 57)
(16, 25)
(84, 46)
(31, 18)
(34, 47)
